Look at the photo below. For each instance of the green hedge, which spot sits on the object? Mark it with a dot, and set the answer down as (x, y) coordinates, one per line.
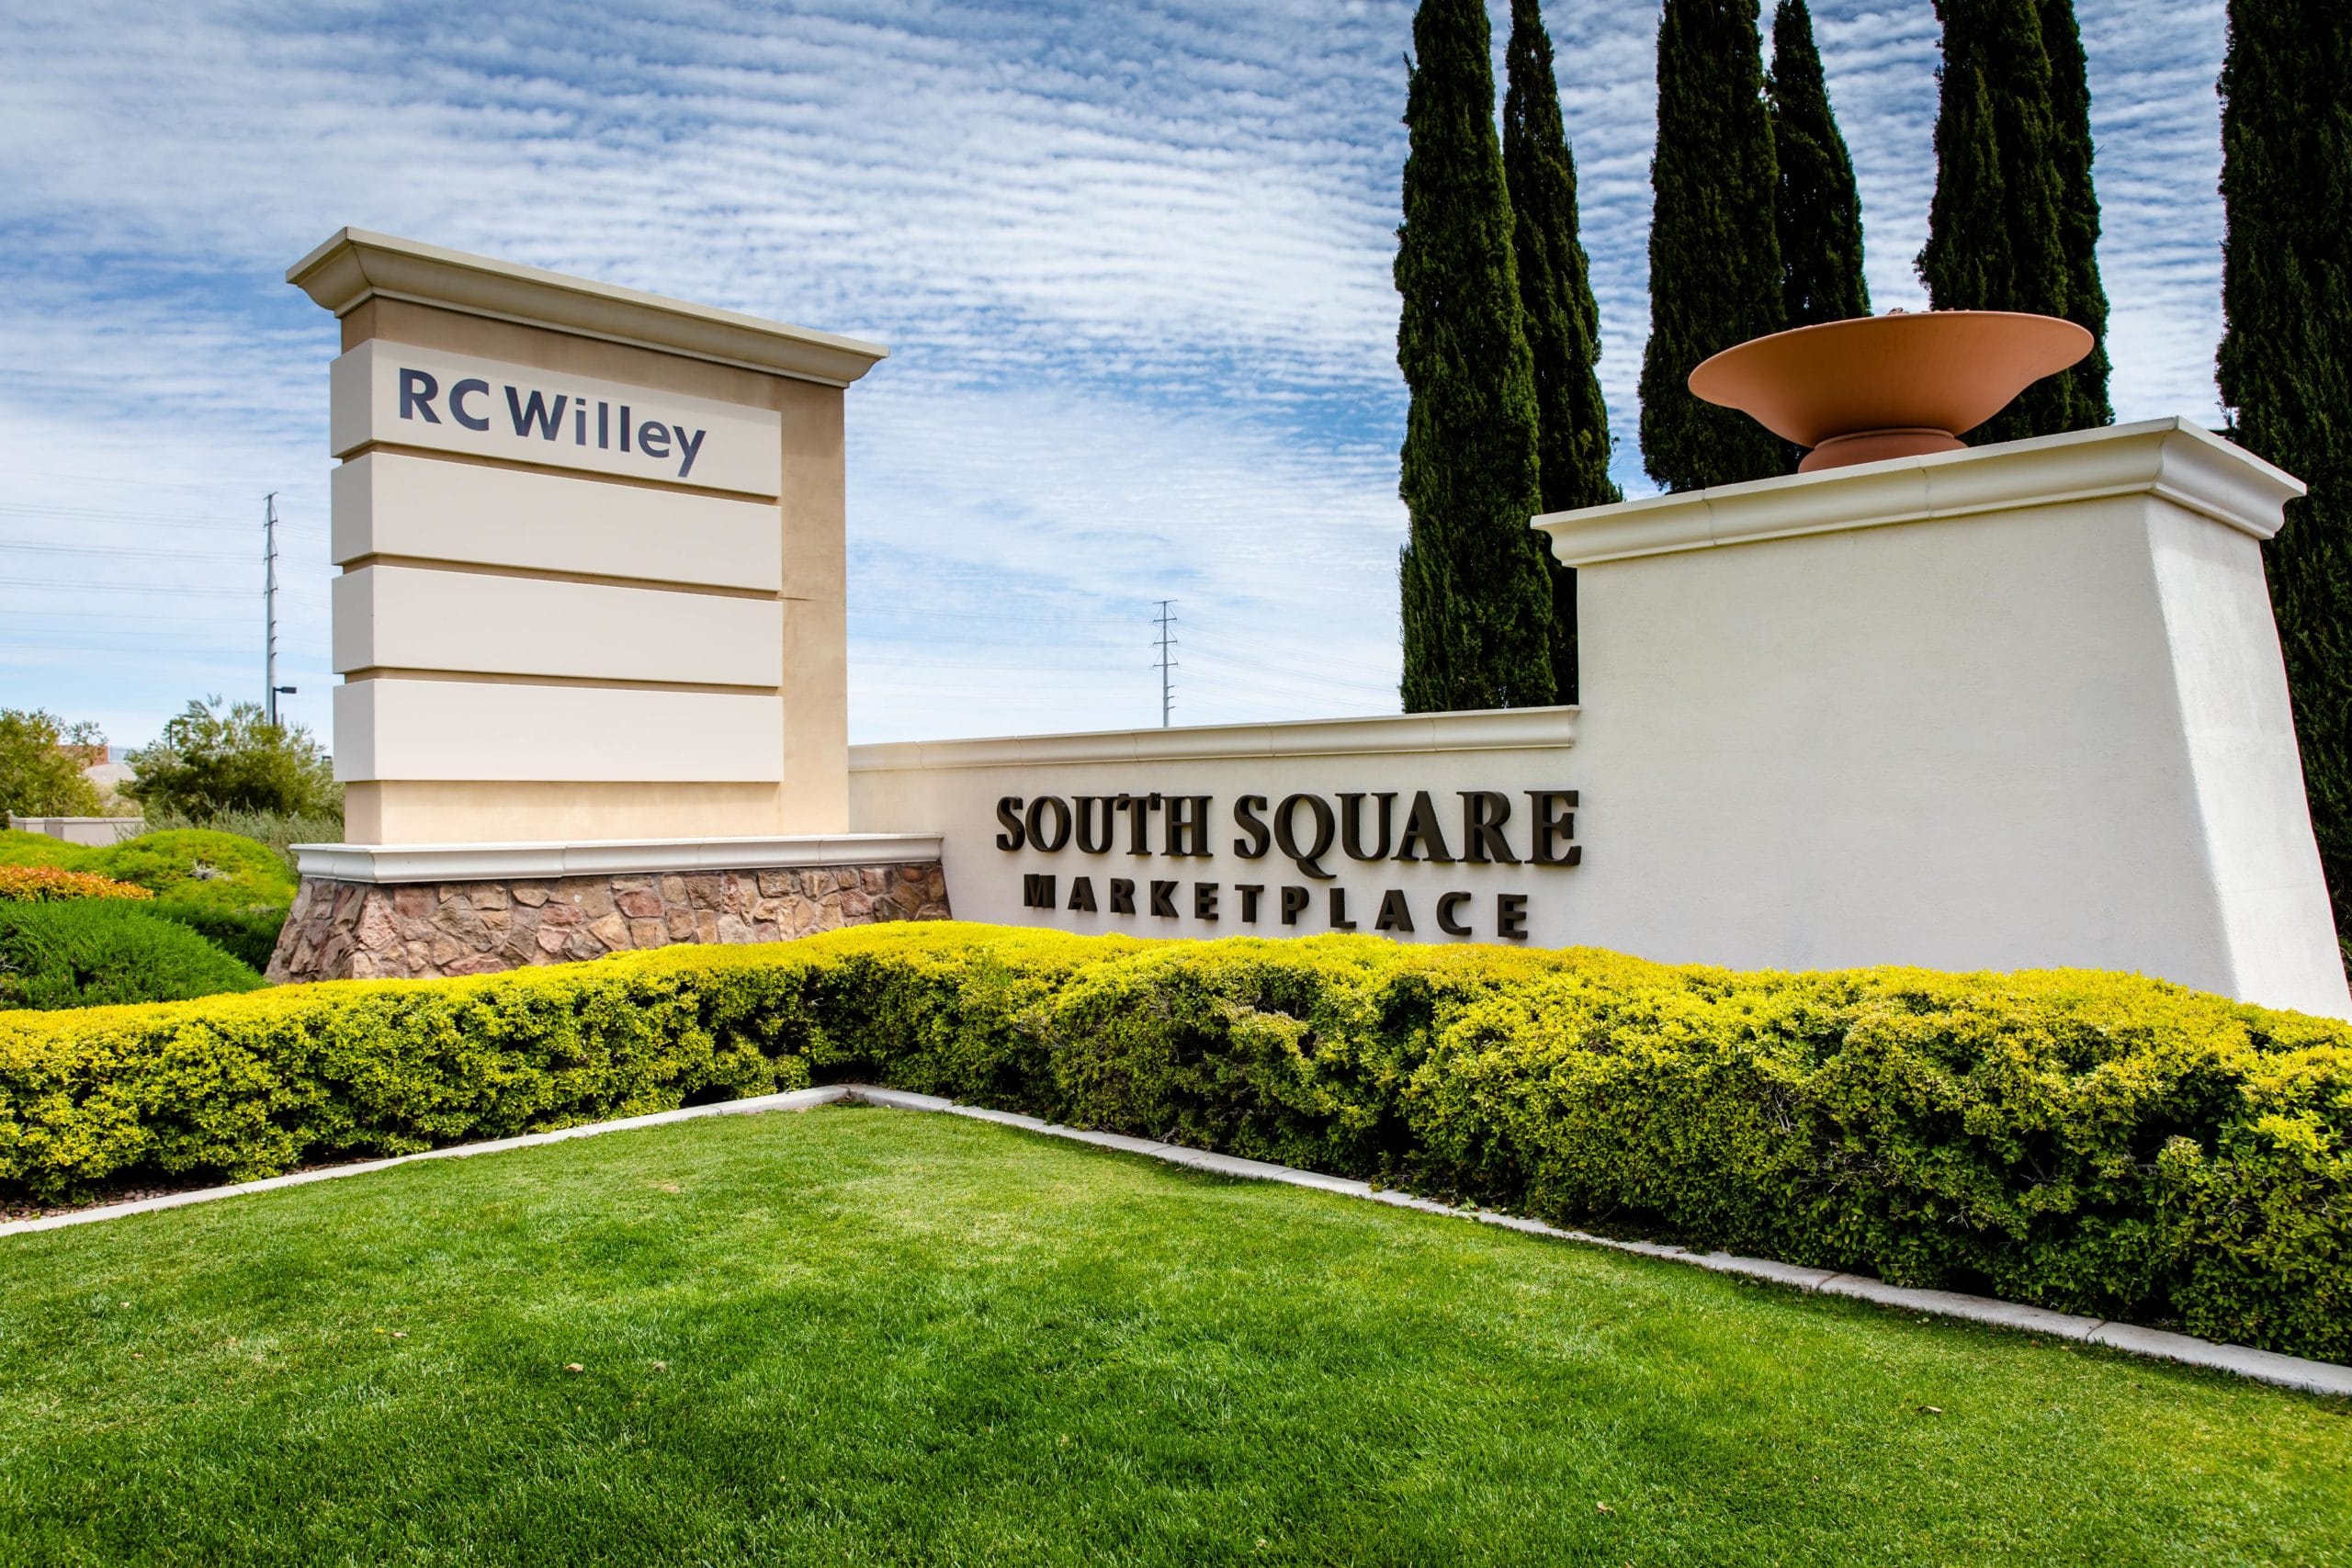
(2094, 1142)
(100, 953)
(190, 865)
(231, 890)
(250, 936)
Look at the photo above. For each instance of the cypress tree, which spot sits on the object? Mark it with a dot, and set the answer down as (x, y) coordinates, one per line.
(1477, 597)
(1818, 214)
(2006, 207)
(2286, 360)
(1563, 322)
(2070, 106)
(1714, 258)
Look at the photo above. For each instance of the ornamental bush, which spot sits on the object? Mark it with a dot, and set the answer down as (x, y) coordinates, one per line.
(188, 865)
(96, 952)
(199, 867)
(55, 885)
(230, 889)
(2094, 1142)
(249, 934)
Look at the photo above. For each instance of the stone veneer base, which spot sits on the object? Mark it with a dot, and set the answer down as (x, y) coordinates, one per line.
(348, 931)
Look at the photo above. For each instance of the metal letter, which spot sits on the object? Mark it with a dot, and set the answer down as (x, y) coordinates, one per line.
(1421, 829)
(1553, 824)
(1245, 814)
(1484, 812)
(1037, 837)
(1326, 828)
(1352, 825)
(1511, 916)
(1138, 821)
(1087, 843)
(1188, 829)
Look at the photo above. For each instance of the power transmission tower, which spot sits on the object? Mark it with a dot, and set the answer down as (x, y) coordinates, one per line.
(1167, 693)
(271, 690)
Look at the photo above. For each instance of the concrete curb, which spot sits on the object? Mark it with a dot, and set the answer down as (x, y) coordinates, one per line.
(793, 1100)
(2261, 1366)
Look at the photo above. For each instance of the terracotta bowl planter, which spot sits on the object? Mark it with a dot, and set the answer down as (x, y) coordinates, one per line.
(1894, 386)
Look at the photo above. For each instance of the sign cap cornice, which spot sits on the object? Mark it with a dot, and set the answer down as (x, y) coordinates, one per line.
(2172, 459)
(355, 266)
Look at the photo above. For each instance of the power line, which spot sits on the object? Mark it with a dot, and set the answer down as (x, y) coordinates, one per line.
(114, 515)
(221, 487)
(1167, 692)
(1269, 663)
(170, 590)
(128, 552)
(148, 654)
(123, 618)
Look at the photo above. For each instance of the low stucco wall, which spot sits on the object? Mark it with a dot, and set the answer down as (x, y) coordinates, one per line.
(92, 832)
(2018, 706)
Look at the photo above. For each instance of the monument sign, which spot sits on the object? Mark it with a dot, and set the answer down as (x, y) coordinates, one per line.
(1995, 707)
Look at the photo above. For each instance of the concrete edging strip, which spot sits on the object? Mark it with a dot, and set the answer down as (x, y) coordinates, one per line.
(2261, 1366)
(791, 1099)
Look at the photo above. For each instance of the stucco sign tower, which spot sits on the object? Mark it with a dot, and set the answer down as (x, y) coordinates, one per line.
(590, 623)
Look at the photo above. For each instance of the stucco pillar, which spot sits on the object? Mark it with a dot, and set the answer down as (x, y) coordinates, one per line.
(2016, 706)
(593, 556)
(590, 626)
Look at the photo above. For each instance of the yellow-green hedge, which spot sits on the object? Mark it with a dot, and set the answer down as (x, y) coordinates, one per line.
(2095, 1142)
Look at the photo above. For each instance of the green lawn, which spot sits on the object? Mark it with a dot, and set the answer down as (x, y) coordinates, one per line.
(872, 1336)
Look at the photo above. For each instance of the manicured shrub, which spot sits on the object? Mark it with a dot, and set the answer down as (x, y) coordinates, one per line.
(38, 849)
(230, 889)
(55, 885)
(100, 953)
(2095, 1142)
(247, 935)
(197, 866)
(188, 865)
(279, 829)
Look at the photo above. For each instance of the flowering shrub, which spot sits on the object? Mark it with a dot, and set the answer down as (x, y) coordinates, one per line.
(55, 885)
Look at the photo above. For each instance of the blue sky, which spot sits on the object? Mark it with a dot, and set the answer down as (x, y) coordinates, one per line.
(1132, 261)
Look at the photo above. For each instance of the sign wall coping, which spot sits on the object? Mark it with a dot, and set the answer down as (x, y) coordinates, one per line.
(2171, 458)
(606, 857)
(355, 266)
(1502, 730)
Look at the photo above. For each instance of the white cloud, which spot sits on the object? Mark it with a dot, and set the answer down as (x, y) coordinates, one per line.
(1132, 262)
